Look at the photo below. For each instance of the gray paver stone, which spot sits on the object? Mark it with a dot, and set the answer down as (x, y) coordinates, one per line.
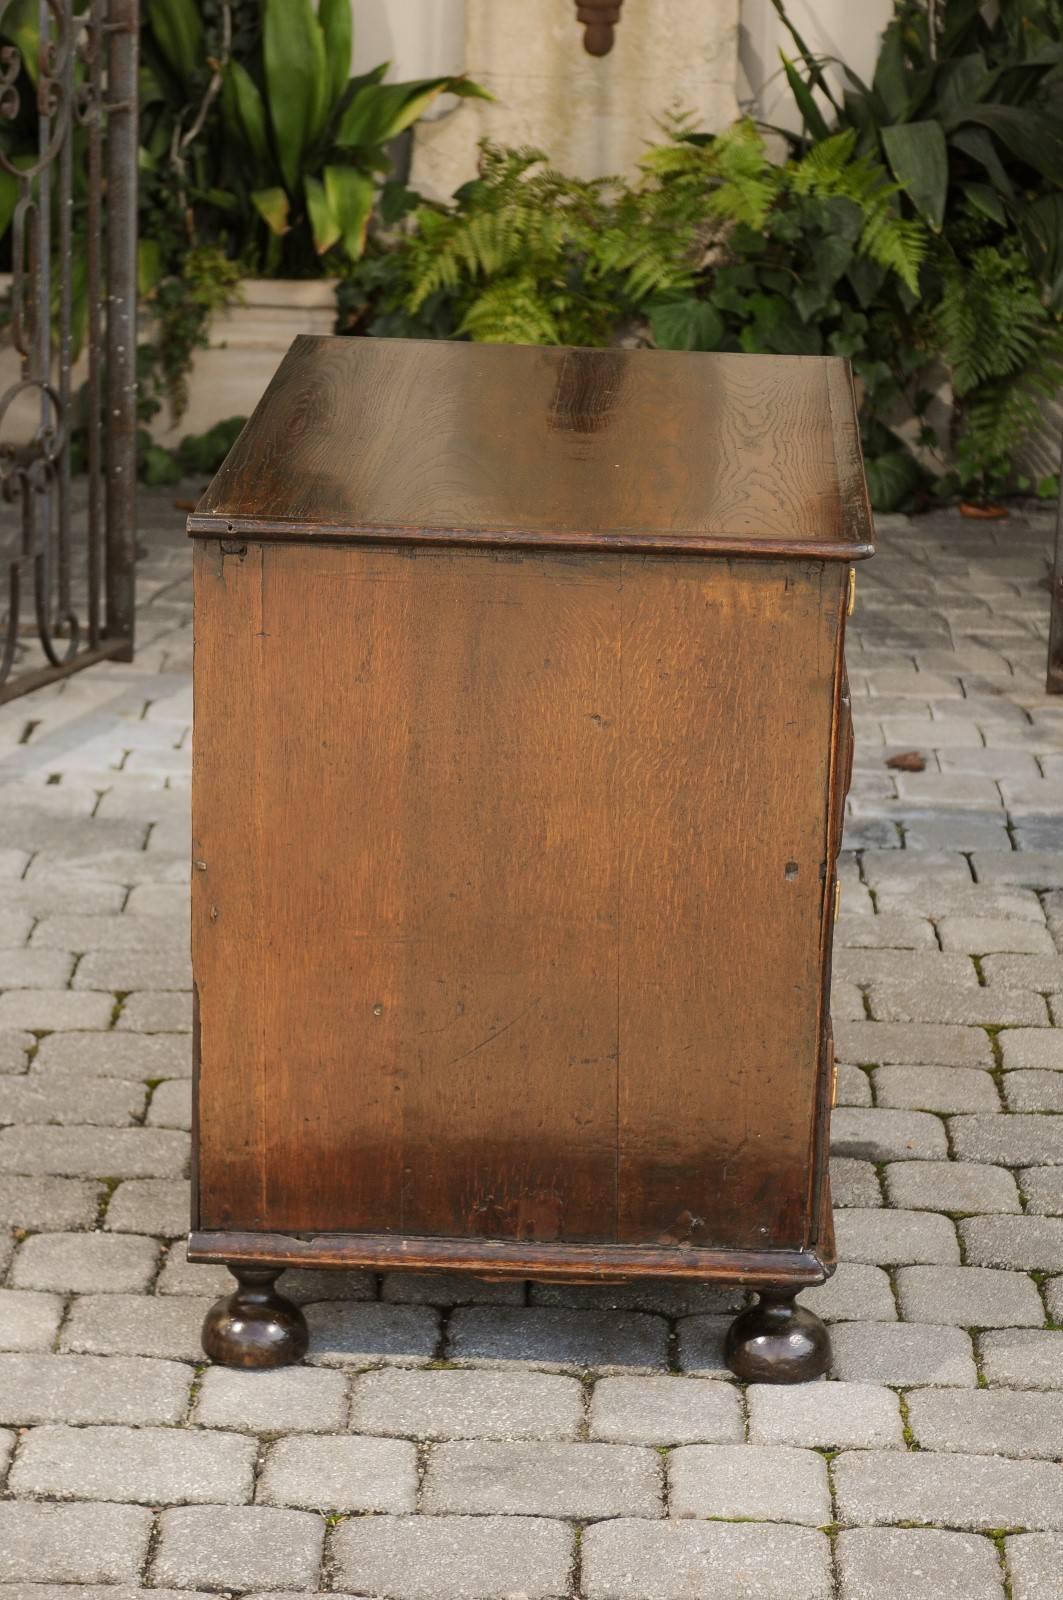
(143, 1465)
(981, 936)
(902, 1353)
(84, 1262)
(766, 1483)
(181, 1276)
(349, 1473)
(348, 1333)
(171, 1105)
(912, 1044)
(136, 1325)
(28, 1320)
(701, 1341)
(117, 1055)
(825, 1415)
(1012, 1141)
(447, 1289)
(288, 1399)
(1035, 1566)
(158, 1206)
(885, 1563)
(1043, 1188)
(665, 1411)
(1023, 1358)
(854, 1182)
(454, 1558)
(469, 1405)
(152, 1011)
(994, 1005)
(238, 1547)
(852, 1087)
(969, 1297)
(939, 1089)
(627, 1560)
(485, 1477)
(54, 1009)
(888, 1237)
(92, 1102)
(667, 1298)
(544, 1336)
(887, 1135)
(951, 1186)
(856, 1292)
(59, 1203)
(983, 1422)
(82, 1389)
(1032, 1049)
(87, 1152)
(1024, 1243)
(72, 1543)
(1053, 1288)
(1033, 1091)
(960, 1491)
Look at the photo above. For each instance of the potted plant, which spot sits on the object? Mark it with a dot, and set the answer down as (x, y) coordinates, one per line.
(263, 163)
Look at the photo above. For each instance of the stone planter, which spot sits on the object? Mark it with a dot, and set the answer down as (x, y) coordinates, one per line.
(228, 377)
(246, 345)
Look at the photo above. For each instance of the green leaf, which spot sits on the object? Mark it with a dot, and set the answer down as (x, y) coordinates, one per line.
(1042, 230)
(1031, 134)
(149, 265)
(293, 49)
(977, 144)
(811, 115)
(987, 201)
(832, 257)
(890, 81)
(350, 197)
(20, 25)
(335, 17)
(380, 111)
(273, 206)
(917, 153)
(892, 479)
(323, 223)
(178, 29)
(866, 277)
(9, 191)
(244, 111)
(686, 325)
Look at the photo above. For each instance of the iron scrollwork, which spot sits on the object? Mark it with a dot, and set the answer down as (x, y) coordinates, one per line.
(74, 560)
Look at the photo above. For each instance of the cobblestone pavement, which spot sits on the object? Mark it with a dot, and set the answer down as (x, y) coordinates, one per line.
(471, 1442)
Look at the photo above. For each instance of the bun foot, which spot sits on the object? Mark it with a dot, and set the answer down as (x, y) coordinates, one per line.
(255, 1326)
(776, 1341)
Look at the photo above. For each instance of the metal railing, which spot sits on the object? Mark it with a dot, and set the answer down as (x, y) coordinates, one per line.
(67, 546)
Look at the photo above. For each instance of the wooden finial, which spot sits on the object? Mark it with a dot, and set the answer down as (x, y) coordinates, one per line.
(599, 18)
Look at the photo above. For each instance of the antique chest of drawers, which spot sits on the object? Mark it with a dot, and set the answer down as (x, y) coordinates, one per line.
(521, 748)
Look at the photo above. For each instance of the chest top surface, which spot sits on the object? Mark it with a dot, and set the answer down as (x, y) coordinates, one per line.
(431, 441)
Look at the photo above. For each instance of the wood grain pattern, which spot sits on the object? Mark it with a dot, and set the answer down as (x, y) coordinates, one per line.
(428, 439)
(729, 677)
(406, 911)
(511, 878)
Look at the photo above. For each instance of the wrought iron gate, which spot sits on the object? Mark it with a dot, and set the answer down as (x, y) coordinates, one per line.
(69, 544)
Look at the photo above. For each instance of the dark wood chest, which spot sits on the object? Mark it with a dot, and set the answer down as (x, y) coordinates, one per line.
(521, 748)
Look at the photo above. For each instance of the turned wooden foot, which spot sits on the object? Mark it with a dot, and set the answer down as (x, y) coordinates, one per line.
(255, 1326)
(776, 1341)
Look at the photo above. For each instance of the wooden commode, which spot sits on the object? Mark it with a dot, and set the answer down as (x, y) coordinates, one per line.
(521, 748)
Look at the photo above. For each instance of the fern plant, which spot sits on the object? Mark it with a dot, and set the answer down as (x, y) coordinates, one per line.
(526, 254)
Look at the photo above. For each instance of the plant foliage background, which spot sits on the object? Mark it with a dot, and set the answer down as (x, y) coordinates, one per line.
(914, 225)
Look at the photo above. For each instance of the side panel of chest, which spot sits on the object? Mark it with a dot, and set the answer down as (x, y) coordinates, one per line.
(509, 890)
